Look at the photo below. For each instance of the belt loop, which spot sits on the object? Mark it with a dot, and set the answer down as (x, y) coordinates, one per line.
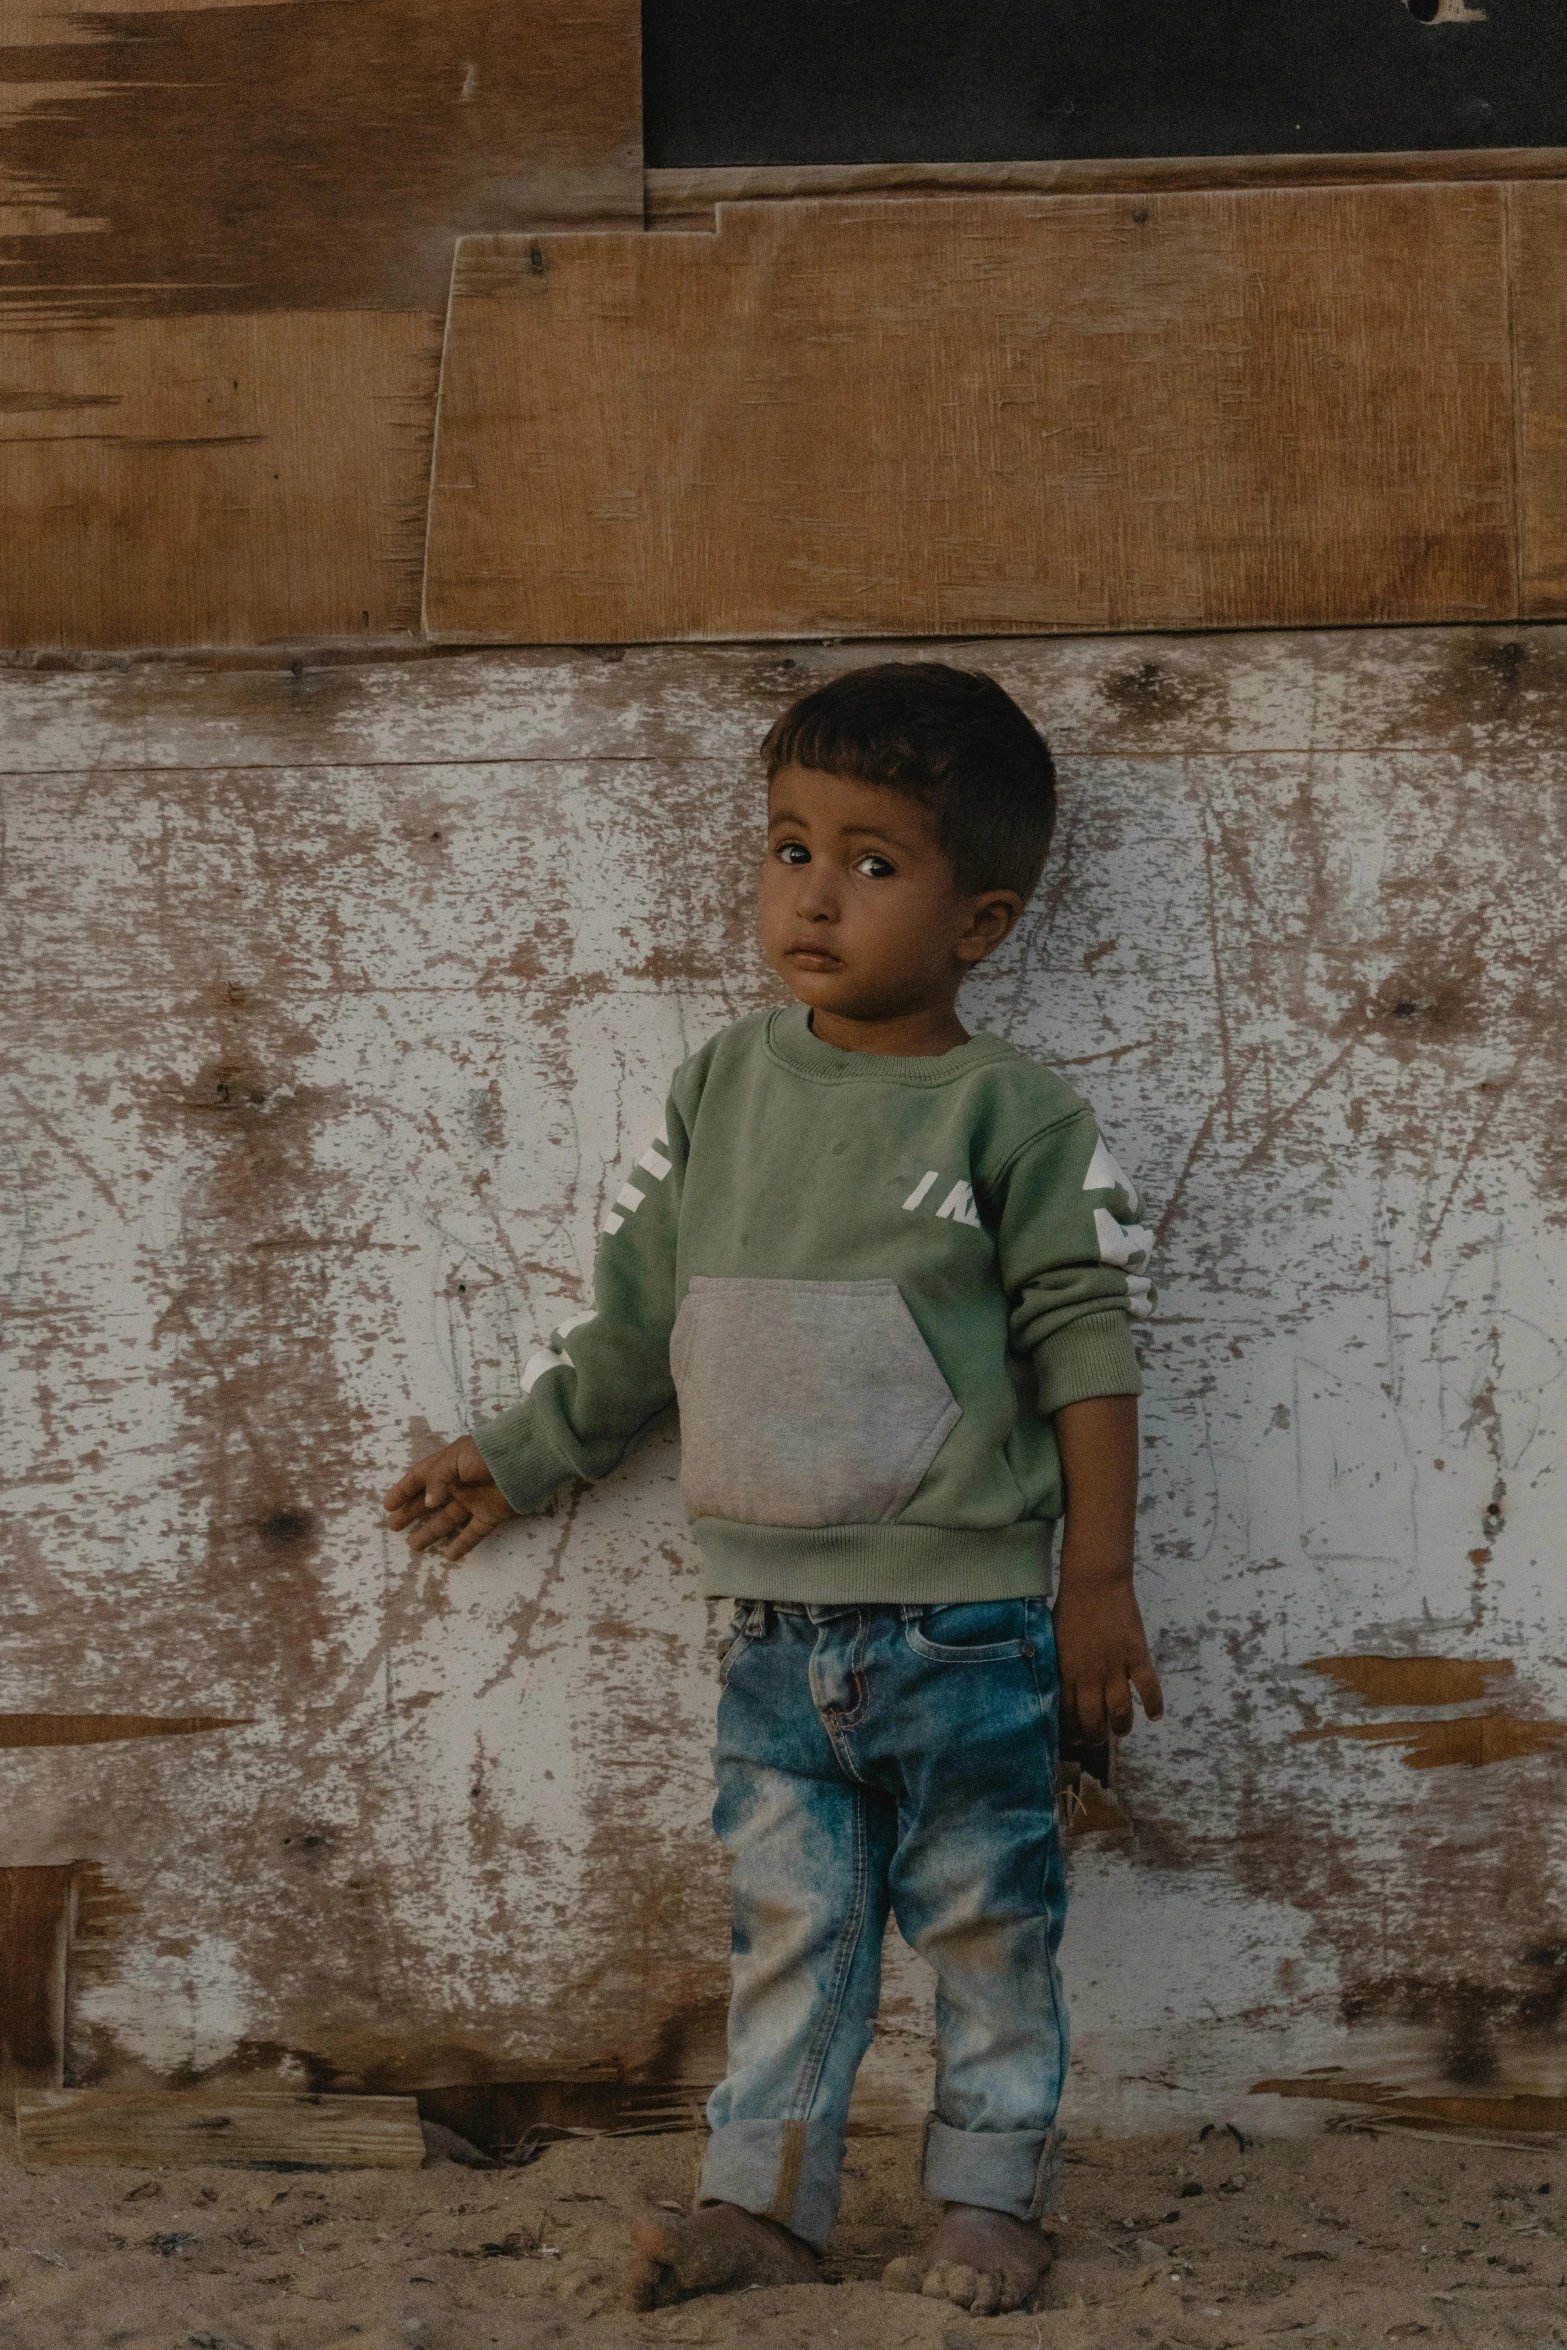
(756, 1624)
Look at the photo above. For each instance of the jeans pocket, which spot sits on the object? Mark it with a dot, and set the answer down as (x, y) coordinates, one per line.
(734, 1640)
(986, 1632)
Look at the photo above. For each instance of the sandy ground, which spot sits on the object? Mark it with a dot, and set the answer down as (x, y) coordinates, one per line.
(1334, 2239)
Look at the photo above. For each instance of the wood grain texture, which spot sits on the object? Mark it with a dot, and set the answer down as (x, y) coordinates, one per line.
(214, 480)
(35, 1924)
(1537, 219)
(688, 197)
(170, 2126)
(981, 414)
(314, 154)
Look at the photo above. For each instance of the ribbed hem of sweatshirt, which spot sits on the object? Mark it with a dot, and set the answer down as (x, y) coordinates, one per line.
(874, 1566)
(1092, 1357)
(524, 1465)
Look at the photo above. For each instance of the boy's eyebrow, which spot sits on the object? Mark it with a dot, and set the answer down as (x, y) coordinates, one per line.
(899, 840)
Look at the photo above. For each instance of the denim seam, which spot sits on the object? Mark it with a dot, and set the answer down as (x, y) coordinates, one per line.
(1052, 1746)
(998, 1652)
(843, 1966)
(850, 1717)
(1052, 1764)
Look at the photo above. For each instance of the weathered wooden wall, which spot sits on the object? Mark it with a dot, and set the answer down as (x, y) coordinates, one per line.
(226, 231)
(337, 996)
(971, 414)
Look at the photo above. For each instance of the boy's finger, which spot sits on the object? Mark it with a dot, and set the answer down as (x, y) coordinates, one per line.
(398, 1496)
(413, 1479)
(436, 1528)
(1118, 1704)
(1089, 1708)
(1146, 1683)
(461, 1543)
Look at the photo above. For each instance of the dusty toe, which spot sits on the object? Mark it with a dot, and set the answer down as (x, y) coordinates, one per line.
(951, 2281)
(988, 2287)
(904, 2275)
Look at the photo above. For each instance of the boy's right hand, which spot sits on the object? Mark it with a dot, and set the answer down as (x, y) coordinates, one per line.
(448, 1499)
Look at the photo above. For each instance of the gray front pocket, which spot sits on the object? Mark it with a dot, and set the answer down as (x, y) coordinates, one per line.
(804, 1403)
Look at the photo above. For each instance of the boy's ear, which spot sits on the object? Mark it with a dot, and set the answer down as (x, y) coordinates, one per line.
(995, 915)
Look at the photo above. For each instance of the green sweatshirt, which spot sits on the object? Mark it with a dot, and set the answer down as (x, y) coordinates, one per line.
(871, 1283)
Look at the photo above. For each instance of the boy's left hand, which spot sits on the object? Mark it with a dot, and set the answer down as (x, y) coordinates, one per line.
(1102, 1651)
(448, 1498)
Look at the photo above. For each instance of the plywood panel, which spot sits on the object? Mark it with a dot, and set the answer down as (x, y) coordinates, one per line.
(321, 1074)
(304, 154)
(214, 480)
(1538, 252)
(976, 414)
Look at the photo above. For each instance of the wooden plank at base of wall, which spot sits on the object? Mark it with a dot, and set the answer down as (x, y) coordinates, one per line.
(1537, 221)
(215, 480)
(176, 2127)
(35, 1926)
(971, 414)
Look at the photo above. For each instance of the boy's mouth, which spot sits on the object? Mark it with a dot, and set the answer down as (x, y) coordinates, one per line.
(813, 959)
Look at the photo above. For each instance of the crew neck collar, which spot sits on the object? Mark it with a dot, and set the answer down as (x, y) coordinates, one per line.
(792, 1040)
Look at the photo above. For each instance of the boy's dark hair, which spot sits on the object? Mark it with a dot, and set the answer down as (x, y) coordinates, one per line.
(950, 739)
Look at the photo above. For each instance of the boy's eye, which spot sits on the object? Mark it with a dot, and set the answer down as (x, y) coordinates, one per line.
(875, 867)
(792, 852)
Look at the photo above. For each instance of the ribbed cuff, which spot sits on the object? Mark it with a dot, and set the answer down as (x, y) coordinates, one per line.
(787, 2171)
(999, 2170)
(1092, 1357)
(518, 1455)
(875, 1566)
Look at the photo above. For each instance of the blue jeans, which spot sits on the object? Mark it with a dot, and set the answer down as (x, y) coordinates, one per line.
(876, 1759)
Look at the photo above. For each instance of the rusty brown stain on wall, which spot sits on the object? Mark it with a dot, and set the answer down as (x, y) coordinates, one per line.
(35, 1911)
(1412, 1680)
(311, 155)
(105, 1729)
(1473, 1739)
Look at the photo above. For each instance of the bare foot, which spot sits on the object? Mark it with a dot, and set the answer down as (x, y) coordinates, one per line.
(719, 2249)
(982, 2260)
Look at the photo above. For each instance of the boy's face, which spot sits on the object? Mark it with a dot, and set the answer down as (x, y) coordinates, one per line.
(860, 915)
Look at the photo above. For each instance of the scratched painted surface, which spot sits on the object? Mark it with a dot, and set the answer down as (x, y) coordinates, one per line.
(337, 1002)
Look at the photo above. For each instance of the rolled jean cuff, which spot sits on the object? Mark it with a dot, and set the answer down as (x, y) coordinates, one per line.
(787, 2171)
(999, 2170)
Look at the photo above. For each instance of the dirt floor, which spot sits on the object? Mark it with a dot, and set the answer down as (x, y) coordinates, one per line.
(1186, 2242)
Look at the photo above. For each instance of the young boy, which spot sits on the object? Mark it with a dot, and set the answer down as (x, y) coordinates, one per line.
(889, 1270)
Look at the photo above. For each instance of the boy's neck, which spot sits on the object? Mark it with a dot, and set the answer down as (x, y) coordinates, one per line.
(915, 1035)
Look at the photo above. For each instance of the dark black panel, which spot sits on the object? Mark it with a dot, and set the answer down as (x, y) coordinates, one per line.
(989, 81)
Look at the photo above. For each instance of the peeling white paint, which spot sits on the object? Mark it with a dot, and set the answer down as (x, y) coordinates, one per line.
(442, 930)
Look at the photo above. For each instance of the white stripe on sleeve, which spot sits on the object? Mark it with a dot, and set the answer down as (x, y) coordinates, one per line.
(1121, 1244)
(1104, 1174)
